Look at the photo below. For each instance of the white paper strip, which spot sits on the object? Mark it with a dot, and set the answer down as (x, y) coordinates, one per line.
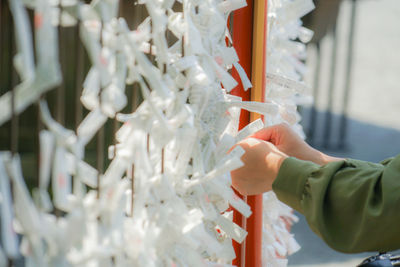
(25, 211)
(231, 229)
(243, 76)
(46, 140)
(269, 108)
(61, 180)
(8, 236)
(250, 129)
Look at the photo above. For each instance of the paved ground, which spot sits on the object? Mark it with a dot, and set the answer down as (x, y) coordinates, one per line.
(374, 109)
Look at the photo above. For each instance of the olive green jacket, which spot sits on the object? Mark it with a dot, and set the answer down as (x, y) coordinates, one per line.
(353, 205)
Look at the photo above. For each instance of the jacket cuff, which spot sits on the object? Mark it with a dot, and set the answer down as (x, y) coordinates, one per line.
(291, 180)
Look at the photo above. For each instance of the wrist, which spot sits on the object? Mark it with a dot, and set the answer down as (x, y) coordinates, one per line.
(274, 162)
(323, 159)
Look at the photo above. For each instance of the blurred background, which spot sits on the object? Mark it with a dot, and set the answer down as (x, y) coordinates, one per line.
(20, 134)
(354, 73)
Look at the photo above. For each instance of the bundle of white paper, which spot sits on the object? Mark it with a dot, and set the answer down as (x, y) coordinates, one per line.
(41, 195)
(285, 89)
(46, 75)
(173, 148)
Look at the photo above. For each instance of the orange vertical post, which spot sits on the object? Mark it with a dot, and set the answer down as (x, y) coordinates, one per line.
(242, 25)
(249, 39)
(258, 79)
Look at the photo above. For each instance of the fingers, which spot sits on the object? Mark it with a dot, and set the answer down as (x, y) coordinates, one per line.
(250, 141)
(265, 134)
(257, 147)
(246, 143)
(272, 133)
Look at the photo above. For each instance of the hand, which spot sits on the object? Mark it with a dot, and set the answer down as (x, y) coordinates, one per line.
(262, 161)
(287, 141)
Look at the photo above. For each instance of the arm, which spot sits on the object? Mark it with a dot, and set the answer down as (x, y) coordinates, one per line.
(351, 204)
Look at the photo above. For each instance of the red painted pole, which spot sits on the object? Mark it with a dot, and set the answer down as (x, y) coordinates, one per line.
(258, 79)
(249, 39)
(242, 24)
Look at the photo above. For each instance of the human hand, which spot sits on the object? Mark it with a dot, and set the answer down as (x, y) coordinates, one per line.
(287, 141)
(262, 161)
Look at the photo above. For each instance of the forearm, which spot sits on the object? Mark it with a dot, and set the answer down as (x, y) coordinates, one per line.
(350, 204)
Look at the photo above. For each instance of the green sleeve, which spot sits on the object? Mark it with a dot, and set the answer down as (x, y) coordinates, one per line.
(353, 205)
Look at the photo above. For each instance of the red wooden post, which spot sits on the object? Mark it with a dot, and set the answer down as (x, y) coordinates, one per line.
(258, 79)
(242, 24)
(249, 39)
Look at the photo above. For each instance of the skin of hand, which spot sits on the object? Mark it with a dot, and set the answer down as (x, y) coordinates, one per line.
(287, 141)
(262, 161)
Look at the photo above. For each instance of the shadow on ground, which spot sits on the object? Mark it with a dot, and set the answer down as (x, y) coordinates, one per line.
(364, 141)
